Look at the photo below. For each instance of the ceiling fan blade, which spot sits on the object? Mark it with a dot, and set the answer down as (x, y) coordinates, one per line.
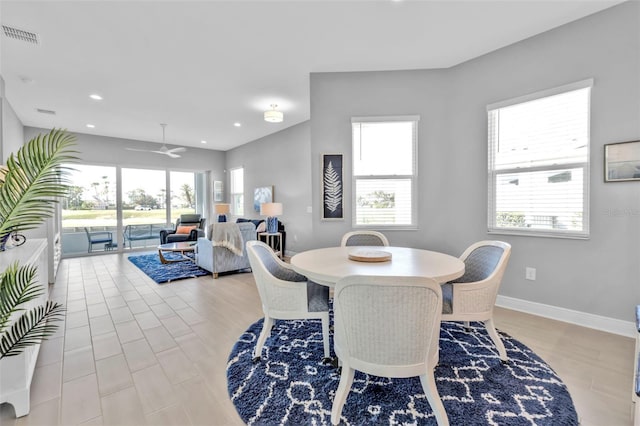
(172, 155)
(139, 150)
(179, 149)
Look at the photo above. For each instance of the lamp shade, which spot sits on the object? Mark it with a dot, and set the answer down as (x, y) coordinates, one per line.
(222, 208)
(270, 209)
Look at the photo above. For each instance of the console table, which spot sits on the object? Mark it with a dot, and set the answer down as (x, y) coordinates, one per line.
(16, 372)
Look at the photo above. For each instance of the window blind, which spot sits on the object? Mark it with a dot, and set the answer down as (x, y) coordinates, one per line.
(539, 164)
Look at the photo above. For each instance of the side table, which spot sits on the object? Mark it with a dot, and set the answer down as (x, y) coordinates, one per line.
(273, 240)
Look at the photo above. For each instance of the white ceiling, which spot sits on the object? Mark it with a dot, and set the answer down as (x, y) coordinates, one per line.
(200, 66)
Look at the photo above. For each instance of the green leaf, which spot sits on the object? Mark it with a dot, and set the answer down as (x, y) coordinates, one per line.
(33, 179)
(18, 285)
(31, 328)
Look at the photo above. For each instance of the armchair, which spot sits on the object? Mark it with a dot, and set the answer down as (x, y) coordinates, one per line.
(189, 227)
(217, 254)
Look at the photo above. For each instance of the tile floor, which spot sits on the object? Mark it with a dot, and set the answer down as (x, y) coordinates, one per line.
(132, 352)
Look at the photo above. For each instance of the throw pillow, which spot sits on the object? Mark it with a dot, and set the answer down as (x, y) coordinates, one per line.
(184, 229)
(262, 227)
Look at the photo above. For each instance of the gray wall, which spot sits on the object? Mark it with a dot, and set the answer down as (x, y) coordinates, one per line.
(11, 129)
(282, 160)
(600, 275)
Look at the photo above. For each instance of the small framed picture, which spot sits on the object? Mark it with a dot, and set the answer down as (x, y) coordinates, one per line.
(261, 195)
(622, 161)
(332, 187)
(217, 190)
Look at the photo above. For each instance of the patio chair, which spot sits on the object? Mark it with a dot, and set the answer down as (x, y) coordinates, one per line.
(98, 237)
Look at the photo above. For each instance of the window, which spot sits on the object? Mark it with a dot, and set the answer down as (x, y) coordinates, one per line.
(384, 171)
(237, 191)
(539, 163)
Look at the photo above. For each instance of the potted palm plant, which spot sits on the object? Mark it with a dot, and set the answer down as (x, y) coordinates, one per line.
(30, 184)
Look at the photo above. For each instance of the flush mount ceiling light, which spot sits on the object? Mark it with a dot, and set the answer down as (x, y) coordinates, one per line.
(273, 116)
(95, 97)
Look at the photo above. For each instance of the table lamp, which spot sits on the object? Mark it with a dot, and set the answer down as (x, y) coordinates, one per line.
(271, 210)
(222, 210)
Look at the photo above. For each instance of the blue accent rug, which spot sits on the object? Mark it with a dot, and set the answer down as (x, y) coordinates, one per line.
(291, 385)
(161, 273)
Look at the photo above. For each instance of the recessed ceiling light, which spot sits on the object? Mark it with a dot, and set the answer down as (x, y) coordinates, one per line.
(95, 97)
(237, 124)
(91, 126)
(203, 141)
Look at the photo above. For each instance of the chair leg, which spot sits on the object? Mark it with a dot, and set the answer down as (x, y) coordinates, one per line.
(346, 380)
(266, 331)
(491, 329)
(325, 336)
(431, 391)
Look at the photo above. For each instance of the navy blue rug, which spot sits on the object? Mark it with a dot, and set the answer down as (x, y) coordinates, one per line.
(161, 273)
(291, 385)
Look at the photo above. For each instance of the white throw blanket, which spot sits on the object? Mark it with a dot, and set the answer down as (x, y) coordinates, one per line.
(227, 235)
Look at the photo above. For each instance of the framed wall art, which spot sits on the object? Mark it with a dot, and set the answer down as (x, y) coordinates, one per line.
(332, 187)
(622, 161)
(264, 194)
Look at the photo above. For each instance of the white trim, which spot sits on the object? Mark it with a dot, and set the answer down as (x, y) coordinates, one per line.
(584, 319)
(385, 118)
(583, 84)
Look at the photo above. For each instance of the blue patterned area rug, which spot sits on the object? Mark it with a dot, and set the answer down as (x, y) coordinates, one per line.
(291, 385)
(161, 273)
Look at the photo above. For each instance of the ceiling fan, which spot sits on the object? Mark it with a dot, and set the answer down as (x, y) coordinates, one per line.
(163, 150)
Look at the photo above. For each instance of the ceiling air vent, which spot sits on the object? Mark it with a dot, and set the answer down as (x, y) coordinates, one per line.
(22, 35)
(45, 111)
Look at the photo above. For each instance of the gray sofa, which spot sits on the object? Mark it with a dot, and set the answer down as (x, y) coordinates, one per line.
(217, 259)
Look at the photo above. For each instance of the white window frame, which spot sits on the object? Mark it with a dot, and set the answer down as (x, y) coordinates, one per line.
(414, 119)
(493, 173)
(234, 193)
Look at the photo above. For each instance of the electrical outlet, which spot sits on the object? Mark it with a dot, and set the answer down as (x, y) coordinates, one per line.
(530, 273)
(309, 209)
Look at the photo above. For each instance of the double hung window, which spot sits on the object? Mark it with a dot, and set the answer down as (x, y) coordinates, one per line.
(384, 171)
(538, 167)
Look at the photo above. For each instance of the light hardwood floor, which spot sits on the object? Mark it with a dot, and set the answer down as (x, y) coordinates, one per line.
(135, 352)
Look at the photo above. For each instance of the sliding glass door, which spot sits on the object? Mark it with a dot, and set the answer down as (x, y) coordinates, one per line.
(111, 208)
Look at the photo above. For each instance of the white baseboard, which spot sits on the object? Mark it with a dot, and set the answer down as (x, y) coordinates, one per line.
(610, 325)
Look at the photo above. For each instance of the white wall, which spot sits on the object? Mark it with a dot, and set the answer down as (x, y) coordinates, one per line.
(11, 129)
(282, 160)
(600, 276)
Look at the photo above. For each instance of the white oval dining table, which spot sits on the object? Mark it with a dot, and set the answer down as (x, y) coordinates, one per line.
(327, 265)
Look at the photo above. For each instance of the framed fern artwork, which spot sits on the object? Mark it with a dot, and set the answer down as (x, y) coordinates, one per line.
(332, 187)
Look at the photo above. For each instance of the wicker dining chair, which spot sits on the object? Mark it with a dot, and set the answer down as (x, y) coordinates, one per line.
(364, 238)
(387, 327)
(285, 294)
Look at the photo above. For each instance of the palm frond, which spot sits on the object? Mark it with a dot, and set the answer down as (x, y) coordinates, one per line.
(31, 328)
(33, 179)
(18, 285)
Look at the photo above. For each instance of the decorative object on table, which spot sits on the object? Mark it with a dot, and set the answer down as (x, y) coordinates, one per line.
(273, 116)
(30, 185)
(475, 387)
(271, 211)
(622, 161)
(364, 238)
(150, 264)
(222, 209)
(12, 239)
(262, 195)
(368, 255)
(332, 187)
(217, 190)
